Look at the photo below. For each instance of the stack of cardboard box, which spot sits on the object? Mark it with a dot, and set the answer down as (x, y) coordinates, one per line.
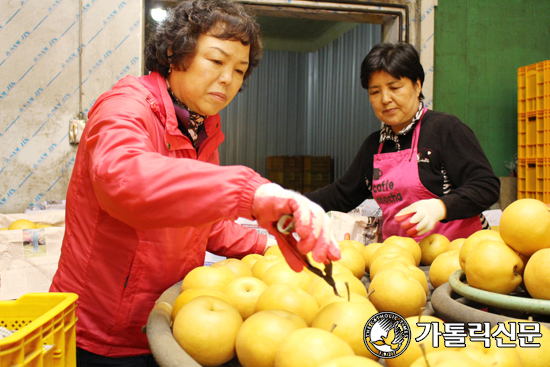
(300, 173)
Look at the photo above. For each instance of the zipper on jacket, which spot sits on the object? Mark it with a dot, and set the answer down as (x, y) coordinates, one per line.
(126, 282)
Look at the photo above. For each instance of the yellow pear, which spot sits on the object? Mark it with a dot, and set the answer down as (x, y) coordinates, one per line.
(455, 244)
(350, 319)
(260, 335)
(446, 358)
(282, 273)
(321, 290)
(238, 267)
(189, 294)
(443, 266)
(537, 275)
(432, 246)
(394, 290)
(350, 361)
(351, 297)
(353, 260)
(525, 226)
(356, 244)
(368, 251)
(409, 244)
(414, 351)
(290, 298)
(206, 277)
(379, 262)
(494, 267)
(273, 250)
(389, 248)
(492, 356)
(473, 240)
(243, 293)
(263, 263)
(338, 268)
(310, 347)
(538, 356)
(22, 224)
(410, 269)
(251, 259)
(197, 330)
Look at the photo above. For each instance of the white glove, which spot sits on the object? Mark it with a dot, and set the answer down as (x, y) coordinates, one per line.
(271, 202)
(424, 212)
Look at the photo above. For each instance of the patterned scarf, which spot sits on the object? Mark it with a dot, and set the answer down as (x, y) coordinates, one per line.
(195, 120)
(387, 133)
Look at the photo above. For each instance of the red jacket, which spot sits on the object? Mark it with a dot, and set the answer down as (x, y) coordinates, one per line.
(142, 209)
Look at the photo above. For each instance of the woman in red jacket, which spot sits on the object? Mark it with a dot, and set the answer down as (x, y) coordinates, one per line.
(147, 197)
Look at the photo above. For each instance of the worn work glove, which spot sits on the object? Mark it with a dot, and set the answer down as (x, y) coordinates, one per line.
(424, 212)
(271, 202)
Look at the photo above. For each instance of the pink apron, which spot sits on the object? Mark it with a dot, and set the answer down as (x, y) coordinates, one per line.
(396, 185)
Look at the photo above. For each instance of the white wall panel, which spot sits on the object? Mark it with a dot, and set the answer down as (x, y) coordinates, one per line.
(39, 85)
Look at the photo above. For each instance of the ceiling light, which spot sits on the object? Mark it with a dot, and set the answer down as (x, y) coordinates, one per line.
(158, 14)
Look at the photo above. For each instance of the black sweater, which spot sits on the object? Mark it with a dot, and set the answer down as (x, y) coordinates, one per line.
(454, 151)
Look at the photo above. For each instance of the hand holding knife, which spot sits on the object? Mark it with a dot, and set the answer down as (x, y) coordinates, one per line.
(285, 228)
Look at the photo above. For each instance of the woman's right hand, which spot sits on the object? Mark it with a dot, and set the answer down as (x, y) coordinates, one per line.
(312, 224)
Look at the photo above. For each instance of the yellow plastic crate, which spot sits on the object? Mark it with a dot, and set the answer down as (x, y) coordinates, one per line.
(522, 90)
(531, 87)
(531, 135)
(45, 336)
(522, 178)
(522, 136)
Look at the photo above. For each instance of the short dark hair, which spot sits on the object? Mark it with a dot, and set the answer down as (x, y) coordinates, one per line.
(187, 21)
(399, 60)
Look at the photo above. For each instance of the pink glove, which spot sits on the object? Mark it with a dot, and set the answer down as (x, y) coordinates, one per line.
(424, 212)
(271, 202)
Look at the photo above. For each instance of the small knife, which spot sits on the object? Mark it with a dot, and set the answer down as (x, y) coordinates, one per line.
(285, 226)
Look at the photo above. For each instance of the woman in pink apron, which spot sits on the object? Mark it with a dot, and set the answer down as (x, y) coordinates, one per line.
(425, 169)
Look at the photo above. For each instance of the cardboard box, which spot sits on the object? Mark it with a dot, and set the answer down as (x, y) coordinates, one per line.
(300, 173)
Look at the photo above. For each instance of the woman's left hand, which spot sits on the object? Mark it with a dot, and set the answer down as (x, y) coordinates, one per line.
(424, 212)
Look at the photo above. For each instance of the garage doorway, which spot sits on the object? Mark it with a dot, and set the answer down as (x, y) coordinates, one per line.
(305, 97)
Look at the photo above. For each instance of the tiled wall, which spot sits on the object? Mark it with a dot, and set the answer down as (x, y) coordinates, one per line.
(39, 85)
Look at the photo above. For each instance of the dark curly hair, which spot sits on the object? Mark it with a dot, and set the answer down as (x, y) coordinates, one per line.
(399, 60)
(181, 29)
